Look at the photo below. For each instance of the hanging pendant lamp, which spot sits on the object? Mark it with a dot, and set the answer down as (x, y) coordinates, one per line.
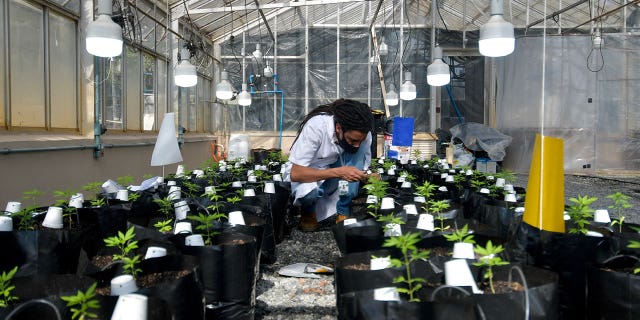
(104, 37)
(496, 36)
(438, 71)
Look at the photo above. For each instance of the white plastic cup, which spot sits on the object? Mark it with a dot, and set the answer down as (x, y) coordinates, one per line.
(209, 190)
(182, 227)
(222, 168)
(155, 252)
(405, 185)
(53, 219)
(372, 199)
(123, 284)
(252, 179)
(249, 193)
(175, 193)
(236, 218)
(457, 273)
(410, 209)
(391, 172)
(122, 195)
(508, 187)
(449, 179)
(159, 180)
(601, 216)
(387, 203)
(469, 172)
(6, 223)
(269, 187)
(510, 197)
(13, 206)
(130, 307)
(180, 170)
(426, 222)
(500, 182)
(491, 178)
(250, 173)
(181, 209)
(171, 183)
(110, 186)
(194, 240)
(76, 200)
(463, 250)
(414, 161)
(444, 175)
(380, 170)
(236, 184)
(443, 189)
(485, 191)
(277, 177)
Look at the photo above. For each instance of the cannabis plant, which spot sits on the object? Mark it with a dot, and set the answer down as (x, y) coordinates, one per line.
(581, 213)
(620, 203)
(165, 206)
(164, 226)
(489, 258)
(125, 180)
(461, 235)
(410, 253)
(62, 200)
(126, 250)
(206, 225)
(377, 188)
(426, 191)
(437, 207)
(6, 287)
(82, 303)
(25, 215)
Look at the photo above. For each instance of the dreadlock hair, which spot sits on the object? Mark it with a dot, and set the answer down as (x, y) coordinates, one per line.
(350, 114)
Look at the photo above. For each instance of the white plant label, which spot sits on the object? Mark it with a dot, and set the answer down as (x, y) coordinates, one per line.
(410, 209)
(386, 294)
(401, 179)
(380, 263)
(372, 199)
(349, 221)
(419, 199)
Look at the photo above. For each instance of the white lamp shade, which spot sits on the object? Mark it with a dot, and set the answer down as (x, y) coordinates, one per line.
(392, 96)
(244, 98)
(258, 53)
(104, 37)
(438, 73)
(224, 89)
(496, 37)
(383, 49)
(408, 89)
(268, 71)
(185, 74)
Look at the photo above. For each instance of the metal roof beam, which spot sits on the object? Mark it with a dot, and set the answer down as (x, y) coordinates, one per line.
(265, 6)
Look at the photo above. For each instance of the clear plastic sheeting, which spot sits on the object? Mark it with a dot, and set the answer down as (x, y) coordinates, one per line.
(479, 137)
(596, 113)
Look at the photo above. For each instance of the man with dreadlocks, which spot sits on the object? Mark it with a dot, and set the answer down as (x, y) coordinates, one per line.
(328, 158)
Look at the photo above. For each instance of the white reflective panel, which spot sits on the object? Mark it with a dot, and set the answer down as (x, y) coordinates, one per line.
(133, 88)
(26, 57)
(148, 92)
(62, 52)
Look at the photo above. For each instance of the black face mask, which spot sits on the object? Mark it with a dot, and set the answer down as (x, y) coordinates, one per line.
(346, 146)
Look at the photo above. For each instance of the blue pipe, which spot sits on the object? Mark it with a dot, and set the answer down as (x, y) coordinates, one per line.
(455, 105)
(274, 91)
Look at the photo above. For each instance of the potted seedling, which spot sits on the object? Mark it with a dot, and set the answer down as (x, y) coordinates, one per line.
(463, 243)
(126, 246)
(407, 244)
(206, 224)
(437, 208)
(581, 213)
(489, 258)
(426, 191)
(620, 203)
(6, 288)
(83, 305)
(376, 189)
(164, 226)
(24, 217)
(62, 200)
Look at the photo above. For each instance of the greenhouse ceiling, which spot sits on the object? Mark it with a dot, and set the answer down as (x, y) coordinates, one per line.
(218, 19)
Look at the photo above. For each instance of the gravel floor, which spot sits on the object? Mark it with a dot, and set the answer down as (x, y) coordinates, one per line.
(292, 298)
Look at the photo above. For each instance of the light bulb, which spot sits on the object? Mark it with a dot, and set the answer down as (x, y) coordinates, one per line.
(438, 71)
(392, 96)
(224, 89)
(407, 89)
(496, 36)
(185, 74)
(383, 49)
(268, 71)
(104, 37)
(244, 98)
(257, 54)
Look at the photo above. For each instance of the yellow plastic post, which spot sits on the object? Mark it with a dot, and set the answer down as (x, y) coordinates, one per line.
(544, 203)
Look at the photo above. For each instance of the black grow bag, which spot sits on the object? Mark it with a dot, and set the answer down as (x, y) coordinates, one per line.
(363, 235)
(613, 289)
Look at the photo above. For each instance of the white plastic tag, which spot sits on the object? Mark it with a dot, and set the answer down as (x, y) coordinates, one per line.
(401, 179)
(380, 263)
(419, 199)
(349, 221)
(386, 294)
(372, 199)
(343, 187)
(410, 209)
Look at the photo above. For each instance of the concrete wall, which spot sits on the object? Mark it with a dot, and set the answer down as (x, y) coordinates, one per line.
(49, 171)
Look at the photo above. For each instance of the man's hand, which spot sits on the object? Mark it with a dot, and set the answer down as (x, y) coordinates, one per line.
(351, 173)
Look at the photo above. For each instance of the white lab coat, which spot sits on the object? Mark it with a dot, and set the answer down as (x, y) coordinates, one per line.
(317, 147)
